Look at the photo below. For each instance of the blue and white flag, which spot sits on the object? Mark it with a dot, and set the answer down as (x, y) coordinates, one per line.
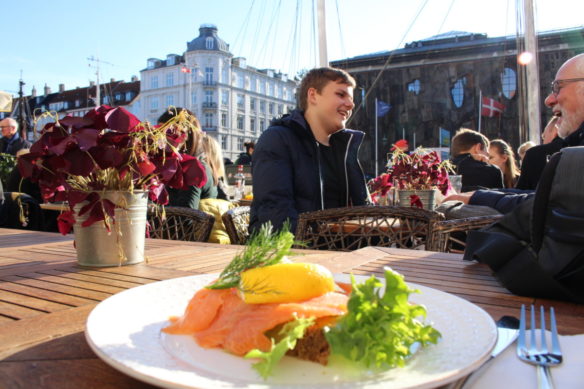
(382, 108)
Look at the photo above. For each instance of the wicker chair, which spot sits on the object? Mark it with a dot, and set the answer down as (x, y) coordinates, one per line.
(347, 229)
(180, 223)
(236, 221)
(449, 236)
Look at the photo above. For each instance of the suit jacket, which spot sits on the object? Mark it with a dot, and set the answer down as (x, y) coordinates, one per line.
(534, 161)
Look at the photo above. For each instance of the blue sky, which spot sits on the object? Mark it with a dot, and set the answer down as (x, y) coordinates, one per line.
(50, 41)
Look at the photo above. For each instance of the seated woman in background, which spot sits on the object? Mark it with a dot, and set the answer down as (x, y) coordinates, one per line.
(214, 158)
(191, 197)
(502, 155)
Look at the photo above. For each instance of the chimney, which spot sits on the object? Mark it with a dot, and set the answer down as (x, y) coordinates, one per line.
(91, 83)
(112, 80)
(47, 90)
(61, 88)
(33, 92)
(134, 78)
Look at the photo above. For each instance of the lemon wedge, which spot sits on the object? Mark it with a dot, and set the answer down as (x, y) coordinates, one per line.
(285, 282)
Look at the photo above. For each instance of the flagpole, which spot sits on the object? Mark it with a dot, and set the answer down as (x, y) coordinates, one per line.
(480, 108)
(376, 158)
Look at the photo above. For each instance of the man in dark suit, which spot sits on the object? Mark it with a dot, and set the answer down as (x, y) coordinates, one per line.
(470, 156)
(537, 157)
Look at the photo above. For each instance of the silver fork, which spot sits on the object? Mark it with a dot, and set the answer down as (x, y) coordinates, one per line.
(541, 357)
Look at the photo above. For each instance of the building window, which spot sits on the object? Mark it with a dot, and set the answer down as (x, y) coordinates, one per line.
(223, 119)
(271, 89)
(209, 43)
(194, 98)
(280, 109)
(271, 108)
(106, 100)
(225, 97)
(414, 87)
(129, 96)
(457, 92)
(208, 119)
(170, 60)
(252, 124)
(240, 101)
(209, 75)
(154, 82)
(154, 102)
(208, 96)
(241, 81)
(224, 142)
(77, 103)
(262, 87)
(240, 120)
(169, 100)
(262, 106)
(240, 143)
(252, 104)
(509, 83)
(169, 79)
(262, 125)
(253, 84)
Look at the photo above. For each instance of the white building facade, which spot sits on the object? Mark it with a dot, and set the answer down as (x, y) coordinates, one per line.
(234, 102)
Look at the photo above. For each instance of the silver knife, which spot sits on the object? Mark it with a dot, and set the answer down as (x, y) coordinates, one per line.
(507, 331)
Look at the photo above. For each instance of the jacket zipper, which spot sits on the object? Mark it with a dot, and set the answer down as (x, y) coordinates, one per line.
(346, 171)
(320, 176)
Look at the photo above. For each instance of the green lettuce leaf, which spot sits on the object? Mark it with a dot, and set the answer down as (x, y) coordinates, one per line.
(288, 335)
(379, 330)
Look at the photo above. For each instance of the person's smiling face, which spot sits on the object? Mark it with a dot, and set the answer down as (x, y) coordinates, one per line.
(568, 103)
(333, 105)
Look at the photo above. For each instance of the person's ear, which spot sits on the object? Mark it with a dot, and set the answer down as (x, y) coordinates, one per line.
(311, 95)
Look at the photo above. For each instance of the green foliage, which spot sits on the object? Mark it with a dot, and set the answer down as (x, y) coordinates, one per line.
(7, 163)
(264, 248)
(379, 330)
(288, 335)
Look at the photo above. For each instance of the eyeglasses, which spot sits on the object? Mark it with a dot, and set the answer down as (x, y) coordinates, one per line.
(557, 84)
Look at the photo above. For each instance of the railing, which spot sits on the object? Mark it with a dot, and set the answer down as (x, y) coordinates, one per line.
(209, 83)
(209, 128)
(209, 104)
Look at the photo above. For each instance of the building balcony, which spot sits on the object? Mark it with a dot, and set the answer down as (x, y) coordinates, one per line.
(209, 104)
(209, 128)
(209, 83)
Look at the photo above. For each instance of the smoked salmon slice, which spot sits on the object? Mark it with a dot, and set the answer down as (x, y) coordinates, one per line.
(220, 318)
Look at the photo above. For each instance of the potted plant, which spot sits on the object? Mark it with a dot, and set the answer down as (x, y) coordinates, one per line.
(106, 166)
(415, 177)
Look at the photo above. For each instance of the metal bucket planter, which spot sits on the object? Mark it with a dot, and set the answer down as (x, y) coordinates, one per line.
(124, 245)
(427, 196)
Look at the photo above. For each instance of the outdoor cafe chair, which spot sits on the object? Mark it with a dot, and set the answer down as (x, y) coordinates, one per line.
(236, 222)
(449, 236)
(347, 229)
(21, 211)
(179, 223)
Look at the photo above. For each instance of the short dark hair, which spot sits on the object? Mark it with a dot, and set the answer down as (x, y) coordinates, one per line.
(318, 78)
(464, 139)
(249, 145)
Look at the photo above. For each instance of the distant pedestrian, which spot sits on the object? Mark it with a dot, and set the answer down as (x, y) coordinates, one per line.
(522, 149)
(245, 158)
(11, 141)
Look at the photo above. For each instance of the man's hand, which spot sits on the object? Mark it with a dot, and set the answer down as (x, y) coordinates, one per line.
(464, 197)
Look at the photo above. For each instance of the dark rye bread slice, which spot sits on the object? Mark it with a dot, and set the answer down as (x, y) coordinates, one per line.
(313, 346)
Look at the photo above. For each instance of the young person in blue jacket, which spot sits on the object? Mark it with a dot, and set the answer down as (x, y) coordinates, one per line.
(307, 160)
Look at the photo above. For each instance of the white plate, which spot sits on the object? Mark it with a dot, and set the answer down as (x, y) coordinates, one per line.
(124, 331)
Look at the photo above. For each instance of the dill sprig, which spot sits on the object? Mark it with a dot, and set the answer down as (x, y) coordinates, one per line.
(264, 248)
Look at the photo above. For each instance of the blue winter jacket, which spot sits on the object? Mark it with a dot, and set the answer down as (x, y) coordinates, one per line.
(505, 201)
(287, 174)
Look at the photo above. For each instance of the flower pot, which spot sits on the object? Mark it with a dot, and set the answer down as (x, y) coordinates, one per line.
(427, 196)
(124, 244)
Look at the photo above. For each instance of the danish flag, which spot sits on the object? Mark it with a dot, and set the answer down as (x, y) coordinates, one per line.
(491, 107)
(184, 69)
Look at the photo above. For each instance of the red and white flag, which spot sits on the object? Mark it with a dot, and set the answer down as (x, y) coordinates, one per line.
(184, 69)
(491, 107)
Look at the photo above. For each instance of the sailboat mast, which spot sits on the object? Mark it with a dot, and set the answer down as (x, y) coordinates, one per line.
(532, 68)
(322, 48)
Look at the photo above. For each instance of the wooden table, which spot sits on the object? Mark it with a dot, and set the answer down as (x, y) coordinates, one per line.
(45, 298)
